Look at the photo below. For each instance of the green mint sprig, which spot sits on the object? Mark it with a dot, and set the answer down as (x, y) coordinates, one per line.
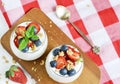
(29, 35)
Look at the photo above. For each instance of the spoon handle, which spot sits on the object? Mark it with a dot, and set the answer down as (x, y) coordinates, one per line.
(81, 33)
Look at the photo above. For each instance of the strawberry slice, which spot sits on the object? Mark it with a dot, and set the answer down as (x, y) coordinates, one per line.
(16, 74)
(20, 31)
(61, 62)
(30, 44)
(73, 55)
(37, 27)
(16, 41)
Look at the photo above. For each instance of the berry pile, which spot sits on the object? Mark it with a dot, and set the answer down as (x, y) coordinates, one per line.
(65, 59)
(26, 37)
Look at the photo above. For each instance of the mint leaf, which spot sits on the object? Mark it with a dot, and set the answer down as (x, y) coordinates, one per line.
(34, 37)
(30, 32)
(23, 43)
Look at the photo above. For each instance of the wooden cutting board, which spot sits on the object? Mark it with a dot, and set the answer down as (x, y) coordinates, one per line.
(90, 74)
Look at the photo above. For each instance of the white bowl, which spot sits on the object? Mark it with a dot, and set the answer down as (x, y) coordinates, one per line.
(31, 55)
(57, 76)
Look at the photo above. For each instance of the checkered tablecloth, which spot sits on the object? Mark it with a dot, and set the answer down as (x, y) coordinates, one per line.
(98, 19)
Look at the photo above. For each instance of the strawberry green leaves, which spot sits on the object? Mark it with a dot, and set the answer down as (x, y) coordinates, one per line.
(14, 68)
(7, 74)
(10, 72)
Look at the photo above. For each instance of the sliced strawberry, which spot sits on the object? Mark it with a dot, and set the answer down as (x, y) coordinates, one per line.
(73, 55)
(61, 62)
(37, 27)
(20, 31)
(16, 74)
(16, 42)
(73, 49)
(30, 44)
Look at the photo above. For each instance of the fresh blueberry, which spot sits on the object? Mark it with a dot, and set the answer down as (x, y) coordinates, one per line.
(37, 42)
(25, 49)
(56, 51)
(53, 63)
(71, 72)
(63, 71)
(64, 48)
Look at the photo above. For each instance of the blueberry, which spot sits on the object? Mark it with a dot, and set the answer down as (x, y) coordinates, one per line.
(71, 72)
(63, 71)
(37, 42)
(25, 49)
(56, 51)
(53, 63)
(64, 48)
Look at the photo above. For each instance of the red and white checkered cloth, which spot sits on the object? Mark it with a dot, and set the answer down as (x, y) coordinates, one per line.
(98, 19)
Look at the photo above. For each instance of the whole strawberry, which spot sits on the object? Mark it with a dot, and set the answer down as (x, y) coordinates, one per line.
(16, 74)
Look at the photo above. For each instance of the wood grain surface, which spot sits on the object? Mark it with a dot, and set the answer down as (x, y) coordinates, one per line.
(90, 74)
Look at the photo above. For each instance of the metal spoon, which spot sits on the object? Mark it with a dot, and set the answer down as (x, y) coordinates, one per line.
(64, 14)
